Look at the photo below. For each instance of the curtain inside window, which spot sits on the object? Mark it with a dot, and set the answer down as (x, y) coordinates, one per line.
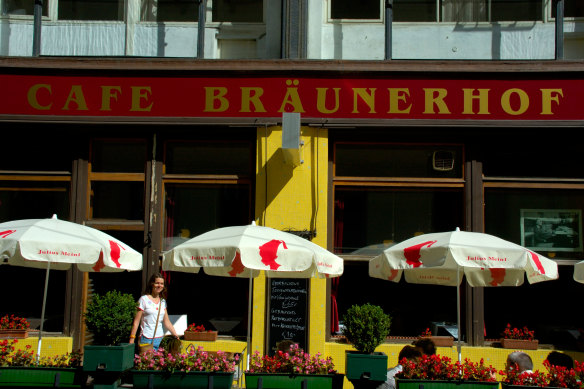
(149, 10)
(464, 10)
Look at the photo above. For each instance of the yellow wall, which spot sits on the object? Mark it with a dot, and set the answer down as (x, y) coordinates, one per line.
(292, 197)
(50, 346)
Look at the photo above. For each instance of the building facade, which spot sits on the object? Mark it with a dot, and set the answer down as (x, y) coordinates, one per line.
(157, 150)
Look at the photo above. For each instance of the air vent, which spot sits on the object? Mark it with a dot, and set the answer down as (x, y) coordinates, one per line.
(443, 160)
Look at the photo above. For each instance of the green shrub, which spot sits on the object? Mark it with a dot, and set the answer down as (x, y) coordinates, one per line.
(366, 327)
(109, 317)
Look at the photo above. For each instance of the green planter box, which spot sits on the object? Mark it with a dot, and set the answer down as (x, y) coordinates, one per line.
(181, 379)
(294, 381)
(108, 358)
(428, 384)
(360, 366)
(50, 377)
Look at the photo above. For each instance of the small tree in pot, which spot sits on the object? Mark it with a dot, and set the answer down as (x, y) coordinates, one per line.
(366, 327)
(109, 317)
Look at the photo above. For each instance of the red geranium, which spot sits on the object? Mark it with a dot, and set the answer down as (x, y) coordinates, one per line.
(516, 333)
(197, 328)
(14, 323)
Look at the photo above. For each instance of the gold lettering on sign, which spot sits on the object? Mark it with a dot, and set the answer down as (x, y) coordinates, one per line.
(140, 93)
(506, 101)
(292, 98)
(434, 97)
(367, 97)
(32, 96)
(397, 95)
(215, 95)
(251, 96)
(547, 96)
(321, 94)
(107, 94)
(76, 97)
(482, 97)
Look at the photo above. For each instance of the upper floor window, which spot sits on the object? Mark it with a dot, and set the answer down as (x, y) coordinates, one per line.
(91, 10)
(223, 11)
(572, 8)
(443, 10)
(22, 7)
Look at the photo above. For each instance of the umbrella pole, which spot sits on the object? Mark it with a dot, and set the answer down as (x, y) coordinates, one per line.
(249, 304)
(43, 311)
(458, 314)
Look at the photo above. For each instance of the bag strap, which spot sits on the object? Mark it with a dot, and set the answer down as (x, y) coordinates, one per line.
(157, 317)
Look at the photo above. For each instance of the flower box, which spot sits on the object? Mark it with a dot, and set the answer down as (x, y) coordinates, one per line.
(13, 334)
(436, 384)
(145, 379)
(41, 377)
(362, 366)
(207, 336)
(293, 381)
(509, 386)
(519, 344)
(97, 358)
(441, 341)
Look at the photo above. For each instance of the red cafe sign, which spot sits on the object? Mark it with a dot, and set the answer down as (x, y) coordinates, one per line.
(312, 97)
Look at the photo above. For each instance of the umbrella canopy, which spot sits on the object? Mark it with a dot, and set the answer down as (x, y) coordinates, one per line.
(242, 251)
(443, 258)
(579, 272)
(58, 244)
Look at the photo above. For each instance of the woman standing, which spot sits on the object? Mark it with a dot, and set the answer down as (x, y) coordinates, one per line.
(152, 314)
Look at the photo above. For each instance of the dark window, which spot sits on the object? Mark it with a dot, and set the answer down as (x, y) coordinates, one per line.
(91, 10)
(23, 7)
(118, 156)
(516, 10)
(208, 158)
(351, 9)
(238, 11)
(414, 10)
(572, 8)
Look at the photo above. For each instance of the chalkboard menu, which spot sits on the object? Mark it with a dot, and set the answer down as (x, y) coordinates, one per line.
(287, 319)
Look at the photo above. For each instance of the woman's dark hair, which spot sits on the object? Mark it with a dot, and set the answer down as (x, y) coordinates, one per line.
(426, 346)
(151, 282)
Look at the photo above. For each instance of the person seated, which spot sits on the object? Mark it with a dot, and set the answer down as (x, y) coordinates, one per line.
(425, 345)
(556, 358)
(521, 360)
(408, 352)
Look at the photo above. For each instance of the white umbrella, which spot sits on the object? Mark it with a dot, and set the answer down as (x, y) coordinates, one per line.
(443, 258)
(579, 272)
(58, 244)
(242, 251)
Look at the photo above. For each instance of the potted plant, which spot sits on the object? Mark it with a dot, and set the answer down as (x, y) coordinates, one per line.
(199, 333)
(439, 341)
(366, 327)
(19, 367)
(109, 317)
(515, 338)
(439, 372)
(13, 327)
(289, 370)
(194, 369)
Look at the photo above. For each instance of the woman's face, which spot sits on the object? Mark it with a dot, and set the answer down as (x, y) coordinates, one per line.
(158, 285)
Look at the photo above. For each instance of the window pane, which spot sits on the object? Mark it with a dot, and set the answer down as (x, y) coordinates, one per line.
(117, 200)
(414, 10)
(390, 160)
(516, 10)
(190, 211)
(170, 10)
(33, 200)
(91, 10)
(464, 10)
(110, 156)
(351, 9)
(242, 11)
(208, 158)
(40, 144)
(572, 8)
(377, 216)
(547, 221)
(23, 7)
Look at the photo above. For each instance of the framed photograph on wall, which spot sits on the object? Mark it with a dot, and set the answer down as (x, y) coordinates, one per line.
(551, 229)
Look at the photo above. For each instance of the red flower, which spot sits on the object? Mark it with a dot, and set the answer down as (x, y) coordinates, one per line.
(515, 333)
(13, 323)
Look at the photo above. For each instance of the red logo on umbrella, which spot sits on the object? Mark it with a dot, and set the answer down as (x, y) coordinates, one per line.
(393, 274)
(537, 262)
(4, 234)
(236, 266)
(115, 252)
(412, 253)
(269, 253)
(498, 275)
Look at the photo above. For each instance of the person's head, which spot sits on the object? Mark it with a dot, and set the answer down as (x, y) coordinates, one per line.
(410, 353)
(156, 284)
(426, 346)
(521, 359)
(556, 358)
